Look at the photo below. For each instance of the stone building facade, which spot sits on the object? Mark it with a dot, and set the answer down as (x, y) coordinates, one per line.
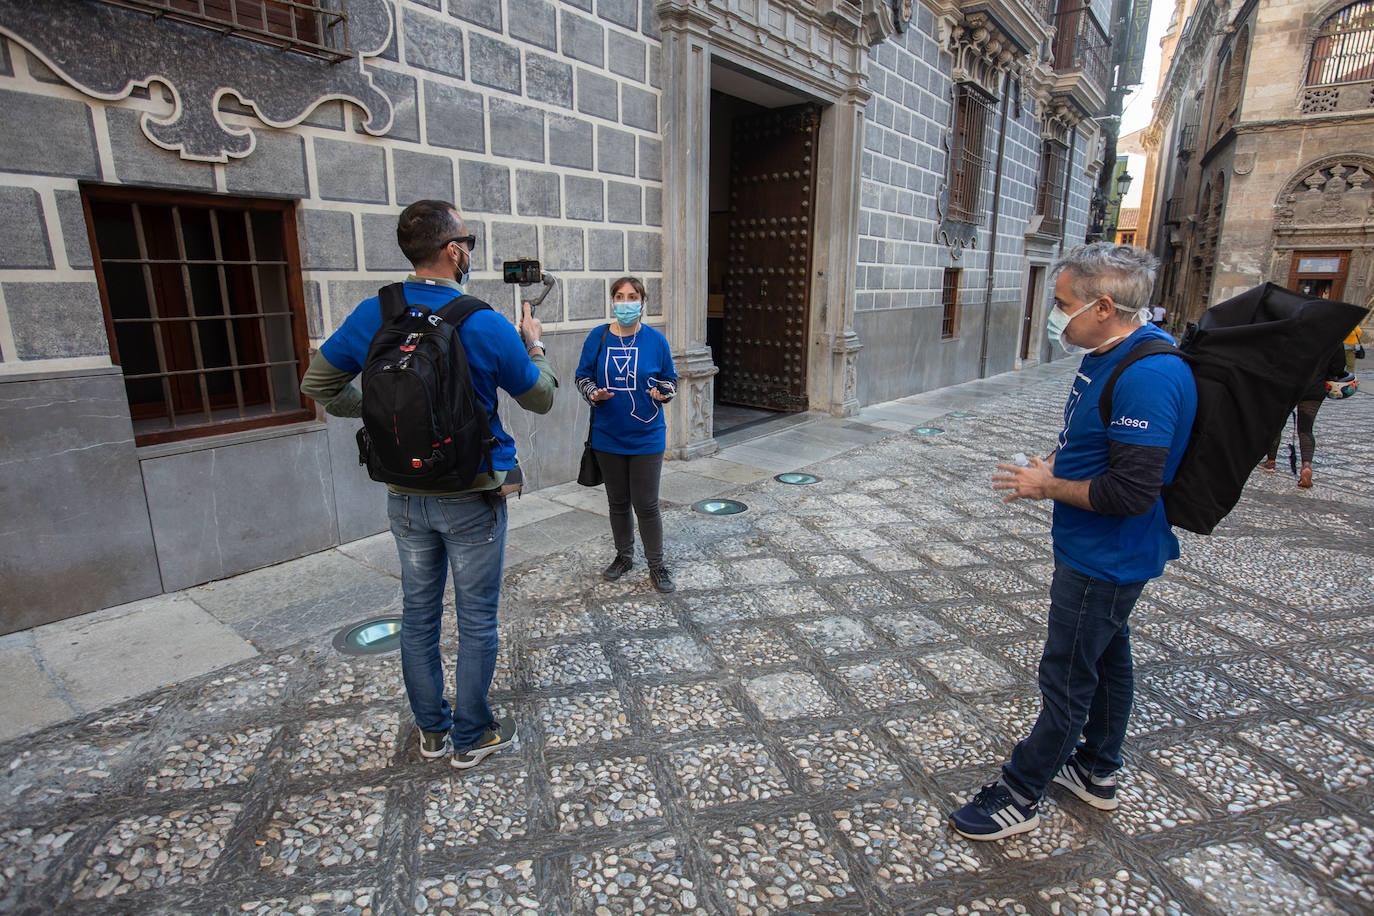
(832, 204)
(1262, 162)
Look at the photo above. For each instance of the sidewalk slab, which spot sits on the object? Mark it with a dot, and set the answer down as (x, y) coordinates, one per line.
(29, 698)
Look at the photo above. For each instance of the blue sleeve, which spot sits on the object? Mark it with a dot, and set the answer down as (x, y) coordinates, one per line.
(516, 373)
(1149, 400)
(346, 348)
(586, 365)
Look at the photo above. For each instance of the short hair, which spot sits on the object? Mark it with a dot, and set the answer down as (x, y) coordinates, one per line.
(635, 282)
(1123, 272)
(424, 227)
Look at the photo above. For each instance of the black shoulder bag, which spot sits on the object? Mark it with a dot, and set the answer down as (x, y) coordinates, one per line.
(589, 472)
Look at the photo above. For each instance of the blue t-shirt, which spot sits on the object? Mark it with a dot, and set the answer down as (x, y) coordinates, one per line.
(630, 422)
(1154, 403)
(496, 355)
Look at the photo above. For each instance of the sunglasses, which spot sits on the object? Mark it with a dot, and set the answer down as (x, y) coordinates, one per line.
(467, 241)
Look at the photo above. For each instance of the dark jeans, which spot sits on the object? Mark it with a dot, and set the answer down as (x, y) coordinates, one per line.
(1307, 419)
(632, 480)
(1086, 683)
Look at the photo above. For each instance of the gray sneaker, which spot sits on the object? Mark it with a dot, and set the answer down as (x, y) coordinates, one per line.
(434, 745)
(1100, 792)
(499, 734)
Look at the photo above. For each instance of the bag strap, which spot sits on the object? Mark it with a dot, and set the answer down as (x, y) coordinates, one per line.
(455, 311)
(460, 308)
(595, 363)
(393, 300)
(1152, 347)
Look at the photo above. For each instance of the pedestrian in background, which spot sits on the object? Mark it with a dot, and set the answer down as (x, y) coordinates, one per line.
(626, 374)
(1109, 532)
(1157, 316)
(1305, 417)
(464, 530)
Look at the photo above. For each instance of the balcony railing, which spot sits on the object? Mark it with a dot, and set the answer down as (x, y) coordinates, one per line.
(1187, 140)
(318, 28)
(1173, 210)
(1080, 44)
(1354, 96)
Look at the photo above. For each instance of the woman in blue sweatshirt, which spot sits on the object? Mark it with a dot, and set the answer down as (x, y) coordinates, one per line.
(626, 374)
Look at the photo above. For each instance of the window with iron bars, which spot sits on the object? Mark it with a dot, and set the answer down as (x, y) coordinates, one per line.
(967, 156)
(1344, 49)
(318, 28)
(203, 308)
(1054, 168)
(949, 298)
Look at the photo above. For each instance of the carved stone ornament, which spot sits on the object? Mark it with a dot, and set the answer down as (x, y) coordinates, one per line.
(901, 13)
(982, 53)
(1336, 191)
(106, 53)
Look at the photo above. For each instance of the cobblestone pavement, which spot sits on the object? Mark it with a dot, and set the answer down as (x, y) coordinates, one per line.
(840, 666)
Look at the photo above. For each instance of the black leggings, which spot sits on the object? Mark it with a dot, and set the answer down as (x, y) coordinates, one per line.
(633, 480)
(1307, 418)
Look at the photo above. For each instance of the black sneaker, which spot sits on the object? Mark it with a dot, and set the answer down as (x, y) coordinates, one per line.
(658, 575)
(619, 567)
(434, 745)
(1097, 791)
(499, 734)
(994, 814)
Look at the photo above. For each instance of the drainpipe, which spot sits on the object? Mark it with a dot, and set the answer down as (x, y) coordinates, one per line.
(996, 214)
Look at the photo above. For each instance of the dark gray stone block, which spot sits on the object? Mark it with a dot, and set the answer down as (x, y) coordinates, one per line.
(23, 231)
(653, 206)
(380, 251)
(570, 142)
(645, 250)
(53, 320)
(432, 43)
(584, 198)
(227, 510)
(615, 151)
(536, 193)
(621, 12)
(484, 187)
(420, 176)
(656, 66)
(548, 80)
(584, 5)
(329, 115)
(405, 109)
(41, 71)
(650, 159)
(275, 169)
(625, 55)
(496, 293)
(495, 63)
(6, 65)
(653, 291)
(327, 240)
(562, 249)
(597, 95)
(586, 299)
(510, 241)
(584, 40)
(517, 131)
(350, 171)
(623, 203)
(648, 19)
(454, 118)
(605, 249)
(639, 108)
(74, 428)
(138, 161)
(486, 13)
(74, 235)
(534, 21)
(344, 296)
(314, 310)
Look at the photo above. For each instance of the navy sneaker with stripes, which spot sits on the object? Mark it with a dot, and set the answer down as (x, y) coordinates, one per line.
(994, 814)
(1098, 791)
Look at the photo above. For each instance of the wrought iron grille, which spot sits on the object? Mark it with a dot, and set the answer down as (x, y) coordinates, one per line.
(1187, 139)
(1344, 49)
(949, 297)
(1080, 44)
(201, 309)
(967, 155)
(318, 28)
(1173, 210)
(1054, 164)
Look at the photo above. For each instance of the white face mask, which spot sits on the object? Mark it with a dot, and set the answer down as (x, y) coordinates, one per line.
(1058, 321)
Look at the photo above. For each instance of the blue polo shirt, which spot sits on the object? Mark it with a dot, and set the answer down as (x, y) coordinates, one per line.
(1154, 403)
(630, 422)
(496, 355)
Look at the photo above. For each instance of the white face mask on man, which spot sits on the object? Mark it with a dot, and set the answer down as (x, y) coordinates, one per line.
(1058, 321)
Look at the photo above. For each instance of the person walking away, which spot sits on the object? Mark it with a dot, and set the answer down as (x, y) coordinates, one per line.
(1157, 316)
(1306, 417)
(462, 530)
(1109, 532)
(626, 374)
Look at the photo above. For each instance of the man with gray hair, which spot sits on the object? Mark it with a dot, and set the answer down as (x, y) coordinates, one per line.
(1109, 532)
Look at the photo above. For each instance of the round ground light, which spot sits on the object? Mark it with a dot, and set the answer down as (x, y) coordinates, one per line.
(720, 507)
(927, 430)
(796, 478)
(371, 637)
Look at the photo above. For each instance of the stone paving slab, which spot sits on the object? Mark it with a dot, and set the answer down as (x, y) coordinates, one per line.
(840, 666)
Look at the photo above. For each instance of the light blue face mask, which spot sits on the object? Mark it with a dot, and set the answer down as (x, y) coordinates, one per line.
(627, 313)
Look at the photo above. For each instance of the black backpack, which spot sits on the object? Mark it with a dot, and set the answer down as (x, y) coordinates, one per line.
(1252, 358)
(423, 426)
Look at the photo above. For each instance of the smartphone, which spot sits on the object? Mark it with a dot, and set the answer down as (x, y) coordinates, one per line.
(524, 271)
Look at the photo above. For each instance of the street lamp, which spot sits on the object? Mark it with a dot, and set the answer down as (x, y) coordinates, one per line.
(1123, 184)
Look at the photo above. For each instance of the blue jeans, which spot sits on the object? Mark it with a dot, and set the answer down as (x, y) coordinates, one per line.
(1086, 683)
(433, 533)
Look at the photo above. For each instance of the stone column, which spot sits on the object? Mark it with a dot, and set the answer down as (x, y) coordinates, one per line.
(686, 183)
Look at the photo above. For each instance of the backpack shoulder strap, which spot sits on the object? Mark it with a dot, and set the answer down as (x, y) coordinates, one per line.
(393, 300)
(459, 309)
(1152, 347)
